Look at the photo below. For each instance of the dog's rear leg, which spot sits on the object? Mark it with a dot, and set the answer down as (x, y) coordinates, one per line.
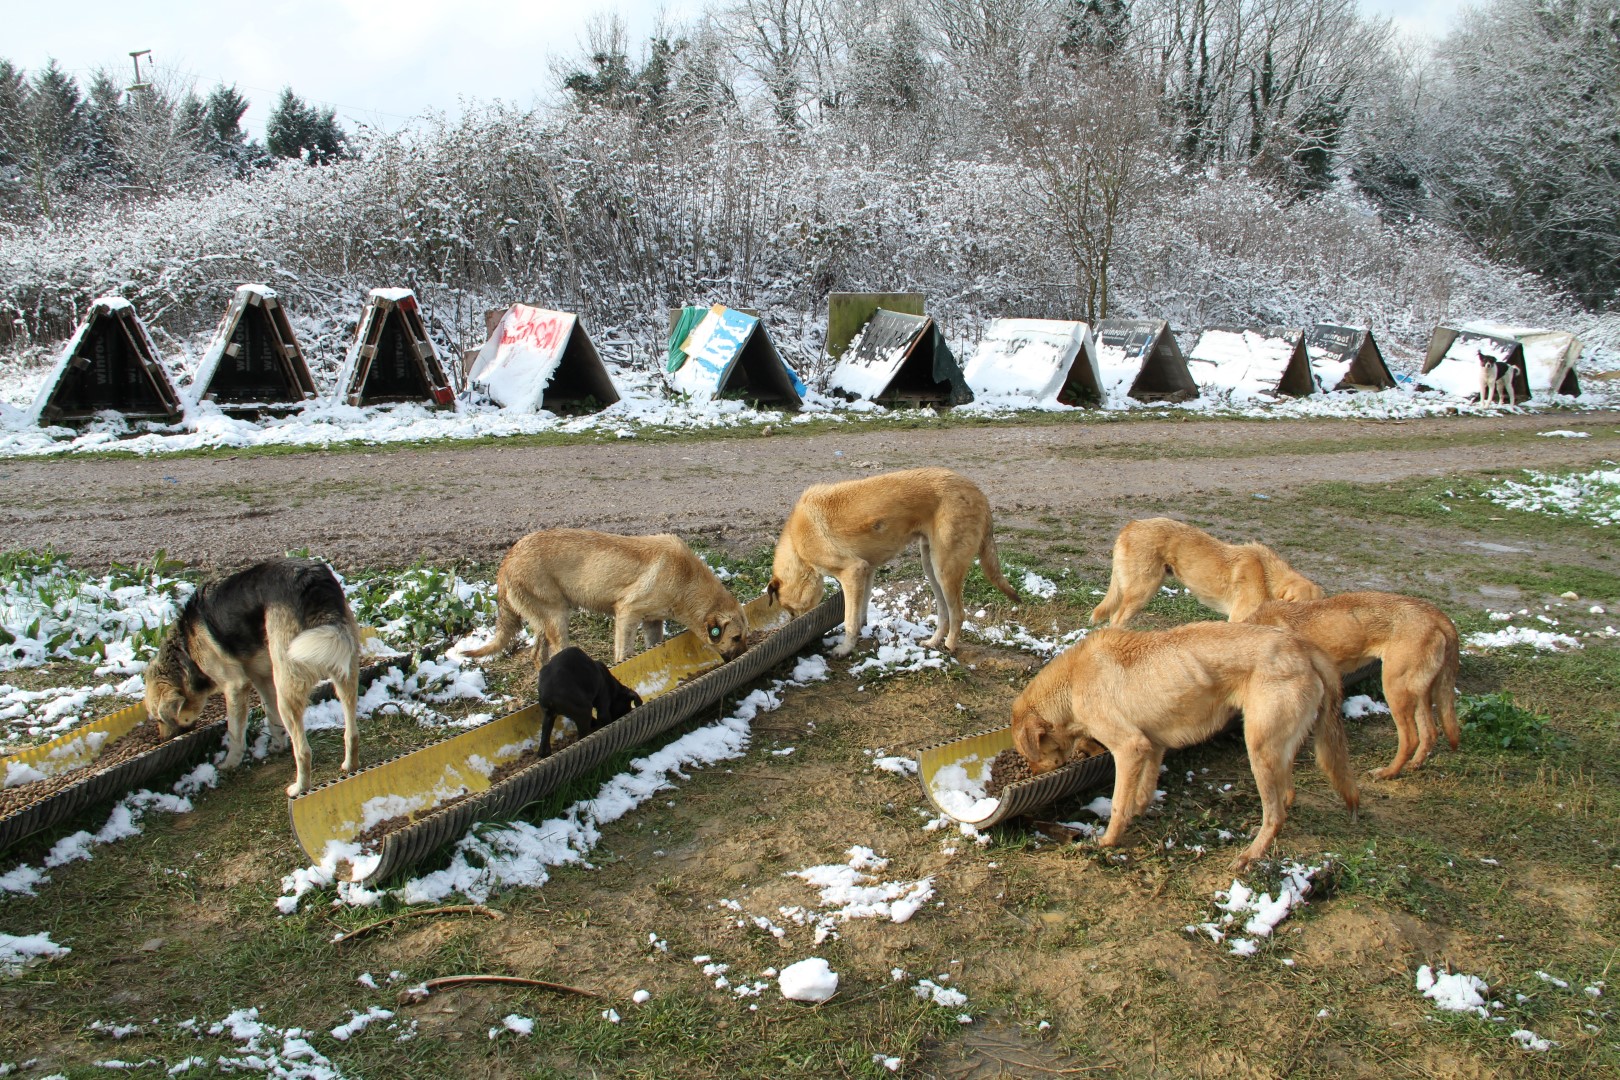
(942, 608)
(277, 730)
(348, 695)
(1403, 707)
(292, 718)
(1275, 780)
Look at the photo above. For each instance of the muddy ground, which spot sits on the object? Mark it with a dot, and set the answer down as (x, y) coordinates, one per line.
(385, 507)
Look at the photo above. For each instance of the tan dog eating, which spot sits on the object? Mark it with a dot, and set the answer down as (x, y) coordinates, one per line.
(639, 580)
(1232, 579)
(1414, 639)
(849, 529)
(1140, 694)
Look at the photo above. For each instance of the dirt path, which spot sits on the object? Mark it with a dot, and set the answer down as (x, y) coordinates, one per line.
(394, 506)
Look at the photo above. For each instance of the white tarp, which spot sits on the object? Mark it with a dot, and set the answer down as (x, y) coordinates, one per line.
(1247, 363)
(1029, 360)
(518, 361)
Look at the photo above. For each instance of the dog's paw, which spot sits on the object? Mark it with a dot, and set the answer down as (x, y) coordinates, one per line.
(843, 648)
(233, 758)
(1385, 773)
(295, 789)
(348, 765)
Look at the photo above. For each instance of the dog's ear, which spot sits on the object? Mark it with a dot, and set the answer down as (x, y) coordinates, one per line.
(773, 591)
(1028, 727)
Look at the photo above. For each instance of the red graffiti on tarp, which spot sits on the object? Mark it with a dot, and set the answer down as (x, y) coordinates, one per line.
(535, 328)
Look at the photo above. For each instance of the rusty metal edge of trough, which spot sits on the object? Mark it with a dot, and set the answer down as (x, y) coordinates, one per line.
(409, 845)
(1026, 795)
(1073, 778)
(99, 787)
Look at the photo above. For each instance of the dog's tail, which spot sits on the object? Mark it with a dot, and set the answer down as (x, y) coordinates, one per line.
(507, 624)
(326, 652)
(991, 565)
(1332, 748)
(1445, 687)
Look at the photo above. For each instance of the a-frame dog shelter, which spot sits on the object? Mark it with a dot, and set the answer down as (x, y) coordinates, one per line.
(111, 364)
(1455, 357)
(900, 359)
(731, 352)
(1346, 358)
(537, 358)
(1036, 361)
(1252, 361)
(392, 358)
(253, 364)
(1549, 355)
(1140, 358)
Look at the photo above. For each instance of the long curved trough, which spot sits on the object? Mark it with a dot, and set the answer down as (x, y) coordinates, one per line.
(446, 787)
(77, 748)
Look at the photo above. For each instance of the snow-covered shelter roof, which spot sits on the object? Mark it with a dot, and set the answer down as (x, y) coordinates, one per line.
(1549, 355)
(392, 358)
(1140, 358)
(848, 312)
(731, 352)
(253, 362)
(1039, 361)
(537, 358)
(110, 364)
(900, 358)
(1456, 356)
(1346, 358)
(1252, 362)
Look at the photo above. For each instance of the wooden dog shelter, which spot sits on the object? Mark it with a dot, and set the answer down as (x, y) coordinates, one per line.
(253, 364)
(392, 358)
(537, 358)
(1456, 356)
(1549, 355)
(1139, 358)
(1346, 358)
(110, 364)
(1041, 361)
(730, 352)
(900, 359)
(1252, 361)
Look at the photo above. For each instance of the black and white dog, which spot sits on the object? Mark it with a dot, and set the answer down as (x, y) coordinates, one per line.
(574, 685)
(282, 627)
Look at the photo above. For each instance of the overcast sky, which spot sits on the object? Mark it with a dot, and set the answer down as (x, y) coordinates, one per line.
(375, 63)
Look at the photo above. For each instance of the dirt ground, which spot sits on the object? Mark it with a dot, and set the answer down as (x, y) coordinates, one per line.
(387, 507)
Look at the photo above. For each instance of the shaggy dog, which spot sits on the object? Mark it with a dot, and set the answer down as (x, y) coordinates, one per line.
(1417, 644)
(282, 627)
(639, 580)
(1232, 579)
(583, 689)
(849, 529)
(1140, 694)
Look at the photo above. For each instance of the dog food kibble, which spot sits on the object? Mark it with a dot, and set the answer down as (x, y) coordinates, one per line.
(1006, 768)
(140, 739)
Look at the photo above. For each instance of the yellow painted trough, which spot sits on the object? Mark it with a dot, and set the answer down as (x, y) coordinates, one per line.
(444, 788)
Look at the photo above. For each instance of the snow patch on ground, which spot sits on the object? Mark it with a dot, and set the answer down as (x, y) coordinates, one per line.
(1247, 915)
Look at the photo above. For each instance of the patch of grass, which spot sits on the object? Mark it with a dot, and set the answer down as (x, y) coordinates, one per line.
(1496, 721)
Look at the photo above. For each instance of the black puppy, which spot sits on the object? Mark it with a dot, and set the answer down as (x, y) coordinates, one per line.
(572, 684)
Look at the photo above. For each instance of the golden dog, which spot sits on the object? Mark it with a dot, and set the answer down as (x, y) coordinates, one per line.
(1414, 639)
(1140, 694)
(1232, 579)
(849, 529)
(639, 580)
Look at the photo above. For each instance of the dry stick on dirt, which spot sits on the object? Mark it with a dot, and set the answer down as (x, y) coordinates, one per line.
(417, 994)
(454, 909)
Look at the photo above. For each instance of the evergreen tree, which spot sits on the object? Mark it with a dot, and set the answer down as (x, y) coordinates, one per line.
(297, 130)
(56, 134)
(102, 117)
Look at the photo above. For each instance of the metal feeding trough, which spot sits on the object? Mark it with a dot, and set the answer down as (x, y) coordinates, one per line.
(446, 787)
(974, 753)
